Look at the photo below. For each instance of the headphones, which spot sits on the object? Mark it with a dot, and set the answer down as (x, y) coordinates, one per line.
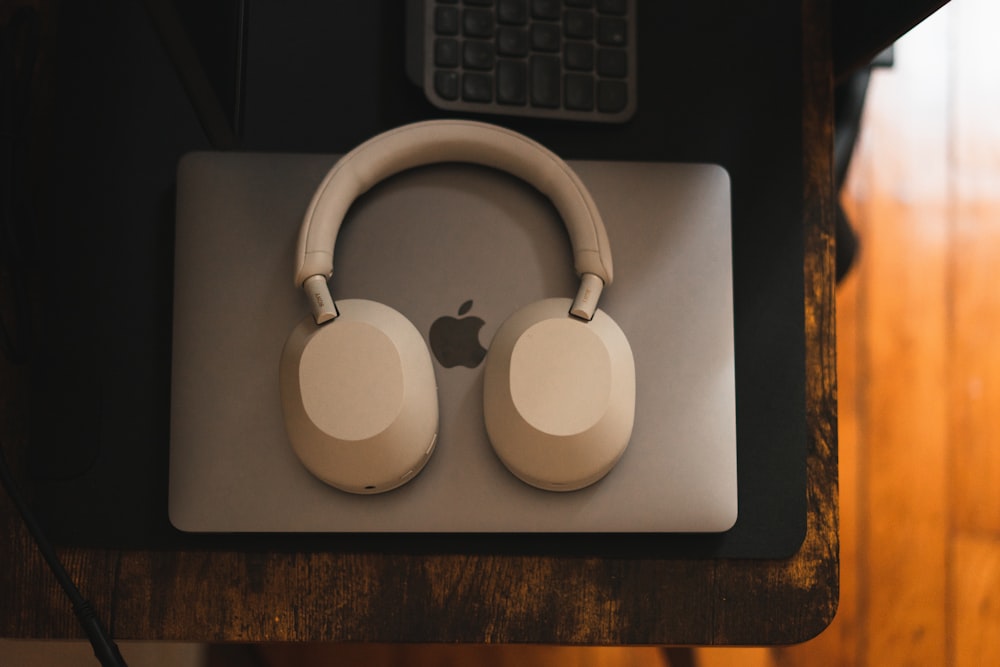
(357, 383)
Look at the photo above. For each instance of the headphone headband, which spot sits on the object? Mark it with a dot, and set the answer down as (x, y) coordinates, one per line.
(438, 141)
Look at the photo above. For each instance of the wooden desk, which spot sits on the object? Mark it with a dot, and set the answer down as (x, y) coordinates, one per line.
(427, 597)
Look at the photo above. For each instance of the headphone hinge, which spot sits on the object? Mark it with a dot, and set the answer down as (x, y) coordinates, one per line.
(585, 304)
(320, 300)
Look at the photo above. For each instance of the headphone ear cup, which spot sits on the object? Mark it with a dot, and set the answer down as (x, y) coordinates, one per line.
(559, 395)
(360, 397)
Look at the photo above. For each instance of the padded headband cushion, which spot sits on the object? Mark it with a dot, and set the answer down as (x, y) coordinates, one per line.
(438, 141)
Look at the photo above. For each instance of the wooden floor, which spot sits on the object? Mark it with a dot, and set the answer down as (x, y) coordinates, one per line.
(919, 363)
(919, 366)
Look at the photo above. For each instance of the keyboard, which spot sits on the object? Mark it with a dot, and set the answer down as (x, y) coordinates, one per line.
(561, 59)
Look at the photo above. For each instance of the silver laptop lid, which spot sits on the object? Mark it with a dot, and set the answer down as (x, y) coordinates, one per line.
(429, 242)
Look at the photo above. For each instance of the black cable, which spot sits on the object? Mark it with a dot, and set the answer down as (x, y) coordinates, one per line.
(105, 649)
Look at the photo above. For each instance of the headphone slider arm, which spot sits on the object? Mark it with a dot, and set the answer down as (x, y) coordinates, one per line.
(585, 303)
(320, 301)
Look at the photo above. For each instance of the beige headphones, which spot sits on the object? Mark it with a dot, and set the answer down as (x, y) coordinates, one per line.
(357, 382)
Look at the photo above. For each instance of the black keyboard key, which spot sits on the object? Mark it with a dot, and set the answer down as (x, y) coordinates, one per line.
(545, 37)
(545, 75)
(578, 24)
(446, 52)
(477, 54)
(512, 82)
(579, 56)
(446, 84)
(512, 12)
(616, 7)
(477, 23)
(579, 92)
(612, 31)
(477, 88)
(446, 20)
(612, 62)
(612, 95)
(512, 41)
(585, 4)
(481, 3)
(545, 9)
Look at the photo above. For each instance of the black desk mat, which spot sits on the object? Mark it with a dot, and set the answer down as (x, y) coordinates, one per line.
(716, 84)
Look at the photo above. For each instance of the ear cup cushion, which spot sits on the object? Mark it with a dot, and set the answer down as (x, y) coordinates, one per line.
(359, 397)
(559, 395)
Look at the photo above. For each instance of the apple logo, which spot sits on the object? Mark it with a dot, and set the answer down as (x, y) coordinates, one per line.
(455, 341)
